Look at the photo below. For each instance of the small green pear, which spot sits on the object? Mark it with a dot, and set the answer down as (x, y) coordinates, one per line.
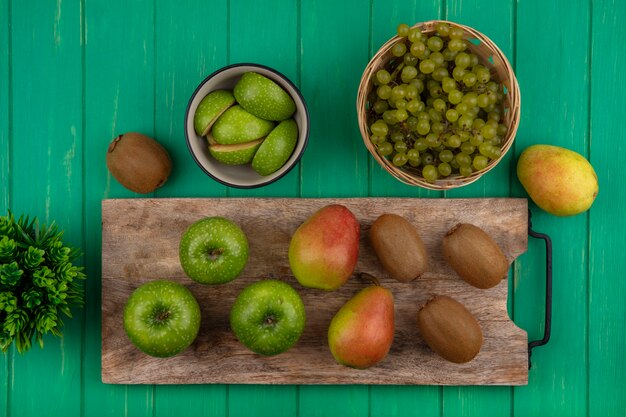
(560, 181)
(361, 333)
(277, 148)
(238, 154)
(210, 108)
(238, 126)
(263, 97)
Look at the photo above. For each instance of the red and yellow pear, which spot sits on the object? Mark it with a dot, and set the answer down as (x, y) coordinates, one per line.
(560, 181)
(323, 251)
(361, 333)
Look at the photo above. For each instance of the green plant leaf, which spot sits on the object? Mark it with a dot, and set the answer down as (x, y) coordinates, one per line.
(57, 253)
(8, 301)
(32, 258)
(46, 318)
(23, 341)
(32, 298)
(38, 281)
(7, 226)
(8, 249)
(26, 230)
(10, 274)
(15, 322)
(43, 277)
(5, 340)
(64, 308)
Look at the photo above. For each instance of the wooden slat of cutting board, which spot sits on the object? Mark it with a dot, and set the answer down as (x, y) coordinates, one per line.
(140, 243)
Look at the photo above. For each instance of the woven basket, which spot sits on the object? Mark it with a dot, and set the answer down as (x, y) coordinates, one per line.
(490, 56)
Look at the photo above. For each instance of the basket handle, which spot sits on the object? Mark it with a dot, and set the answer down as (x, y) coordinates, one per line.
(548, 315)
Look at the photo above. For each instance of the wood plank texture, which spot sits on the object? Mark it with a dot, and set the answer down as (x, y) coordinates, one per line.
(138, 238)
(182, 61)
(494, 18)
(408, 401)
(244, 17)
(5, 178)
(5, 106)
(334, 163)
(119, 97)
(51, 171)
(567, 126)
(283, 36)
(607, 289)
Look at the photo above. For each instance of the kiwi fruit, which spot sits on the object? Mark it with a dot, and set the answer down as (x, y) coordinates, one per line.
(138, 162)
(449, 329)
(398, 247)
(475, 256)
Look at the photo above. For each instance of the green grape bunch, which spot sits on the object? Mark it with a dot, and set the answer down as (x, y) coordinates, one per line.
(38, 282)
(435, 109)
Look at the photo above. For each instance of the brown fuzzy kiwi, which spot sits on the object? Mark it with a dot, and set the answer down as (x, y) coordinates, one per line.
(449, 329)
(398, 247)
(138, 162)
(475, 256)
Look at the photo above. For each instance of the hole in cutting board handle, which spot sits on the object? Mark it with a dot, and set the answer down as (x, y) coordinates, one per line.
(548, 315)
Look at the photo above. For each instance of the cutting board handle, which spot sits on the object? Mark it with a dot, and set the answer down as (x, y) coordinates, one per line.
(548, 315)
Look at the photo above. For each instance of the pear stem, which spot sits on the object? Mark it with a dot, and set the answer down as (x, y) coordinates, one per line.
(370, 277)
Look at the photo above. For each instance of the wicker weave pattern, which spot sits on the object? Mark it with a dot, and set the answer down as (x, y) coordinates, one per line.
(490, 56)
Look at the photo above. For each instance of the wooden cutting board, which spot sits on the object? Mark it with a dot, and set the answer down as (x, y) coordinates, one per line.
(140, 243)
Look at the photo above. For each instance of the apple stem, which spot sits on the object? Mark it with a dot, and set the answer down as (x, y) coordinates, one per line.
(215, 253)
(370, 277)
(160, 315)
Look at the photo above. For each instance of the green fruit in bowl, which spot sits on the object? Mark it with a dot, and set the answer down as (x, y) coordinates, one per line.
(238, 126)
(213, 250)
(277, 148)
(239, 154)
(268, 317)
(162, 318)
(210, 108)
(263, 97)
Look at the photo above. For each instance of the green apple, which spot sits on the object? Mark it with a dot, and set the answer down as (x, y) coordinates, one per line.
(263, 97)
(238, 154)
(213, 250)
(210, 108)
(211, 139)
(238, 126)
(268, 317)
(277, 148)
(162, 318)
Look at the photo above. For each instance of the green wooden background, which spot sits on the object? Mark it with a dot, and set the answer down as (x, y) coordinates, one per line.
(76, 73)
